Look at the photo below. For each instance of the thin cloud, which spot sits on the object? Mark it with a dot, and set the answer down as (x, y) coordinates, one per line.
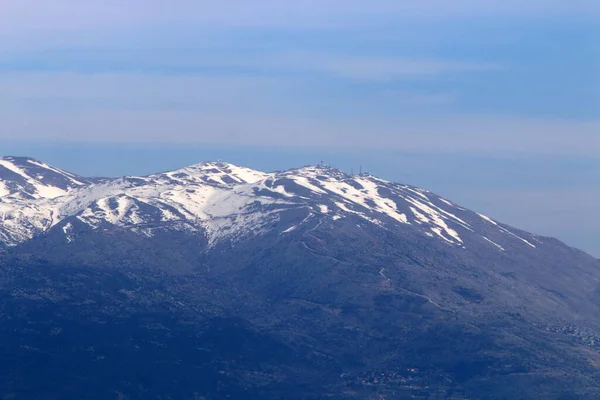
(259, 112)
(356, 67)
(67, 15)
(374, 68)
(444, 135)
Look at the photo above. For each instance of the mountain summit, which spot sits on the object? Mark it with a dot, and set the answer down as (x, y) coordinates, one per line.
(26, 178)
(217, 281)
(224, 201)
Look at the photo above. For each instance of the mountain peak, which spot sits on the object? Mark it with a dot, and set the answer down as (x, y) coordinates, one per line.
(217, 173)
(28, 178)
(318, 172)
(17, 159)
(224, 201)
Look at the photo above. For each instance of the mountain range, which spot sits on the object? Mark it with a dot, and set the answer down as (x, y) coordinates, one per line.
(217, 281)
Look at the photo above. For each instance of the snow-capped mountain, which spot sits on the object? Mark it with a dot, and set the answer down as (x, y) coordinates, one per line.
(28, 179)
(27, 188)
(218, 281)
(227, 202)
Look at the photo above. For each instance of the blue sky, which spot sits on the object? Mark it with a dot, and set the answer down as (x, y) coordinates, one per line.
(493, 104)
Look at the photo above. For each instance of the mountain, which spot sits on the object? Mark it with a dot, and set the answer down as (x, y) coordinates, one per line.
(25, 184)
(26, 178)
(224, 201)
(217, 281)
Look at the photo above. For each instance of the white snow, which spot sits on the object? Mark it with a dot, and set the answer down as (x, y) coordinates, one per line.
(294, 227)
(247, 175)
(21, 220)
(435, 218)
(220, 200)
(223, 174)
(418, 193)
(3, 190)
(518, 237)
(420, 217)
(488, 219)
(11, 167)
(291, 228)
(49, 192)
(494, 243)
(506, 230)
(323, 208)
(281, 190)
(440, 232)
(67, 229)
(303, 181)
(364, 197)
(66, 174)
(41, 190)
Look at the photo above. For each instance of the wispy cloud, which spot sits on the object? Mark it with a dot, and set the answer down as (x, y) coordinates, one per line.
(334, 64)
(374, 68)
(92, 14)
(137, 108)
(112, 80)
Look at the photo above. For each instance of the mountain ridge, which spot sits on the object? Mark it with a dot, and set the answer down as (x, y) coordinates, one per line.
(192, 188)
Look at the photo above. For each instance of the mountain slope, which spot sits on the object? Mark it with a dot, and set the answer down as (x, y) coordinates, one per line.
(216, 281)
(223, 200)
(26, 178)
(26, 188)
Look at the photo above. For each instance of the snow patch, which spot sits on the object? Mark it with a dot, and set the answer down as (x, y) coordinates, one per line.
(302, 181)
(41, 190)
(494, 243)
(437, 219)
(506, 230)
(67, 230)
(67, 175)
(3, 190)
